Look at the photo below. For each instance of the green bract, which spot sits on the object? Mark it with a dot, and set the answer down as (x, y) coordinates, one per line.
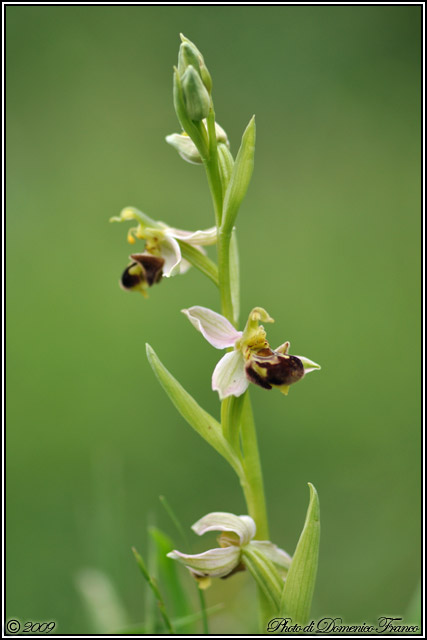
(298, 592)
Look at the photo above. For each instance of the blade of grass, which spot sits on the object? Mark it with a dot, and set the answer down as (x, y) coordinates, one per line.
(186, 542)
(154, 588)
(168, 575)
(178, 623)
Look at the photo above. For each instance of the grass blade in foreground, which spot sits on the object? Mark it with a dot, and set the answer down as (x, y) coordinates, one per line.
(153, 586)
(299, 585)
(168, 576)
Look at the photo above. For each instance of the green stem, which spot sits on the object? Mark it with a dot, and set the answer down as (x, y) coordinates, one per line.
(224, 275)
(251, 479)
(212, 169)
(231, 411)
(223, 244)
(253, 485)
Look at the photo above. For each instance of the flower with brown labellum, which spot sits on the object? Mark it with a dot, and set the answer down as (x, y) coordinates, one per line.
(252, 359)
(268, 368)
(163, 241)
(144, 271)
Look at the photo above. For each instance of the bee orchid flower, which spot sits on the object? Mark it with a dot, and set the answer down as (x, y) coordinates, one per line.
(162, 241)
(235, 543)
(252, 359)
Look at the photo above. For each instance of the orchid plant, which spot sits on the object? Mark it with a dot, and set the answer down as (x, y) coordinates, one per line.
(285, 584)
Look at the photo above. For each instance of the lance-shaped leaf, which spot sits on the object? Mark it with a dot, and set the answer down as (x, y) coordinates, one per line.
(299, 585)
(225, 163)
(240, 178)
(265, 574)
(199, 261)
(198, 418)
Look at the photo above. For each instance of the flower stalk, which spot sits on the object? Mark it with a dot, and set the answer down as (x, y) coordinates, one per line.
(244, 541)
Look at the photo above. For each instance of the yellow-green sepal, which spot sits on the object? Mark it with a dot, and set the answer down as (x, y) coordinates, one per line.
(299, 586)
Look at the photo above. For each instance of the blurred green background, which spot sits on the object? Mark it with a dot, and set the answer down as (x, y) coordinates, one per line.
(330, 245)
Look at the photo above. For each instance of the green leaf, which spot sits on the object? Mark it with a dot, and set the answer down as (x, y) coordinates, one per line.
(151, 613)
(265, 574)
(178, 623)
(235, 277)
(194, 617)
(199, 261)
(154, 588)
(172, 515)
(198, 418)
(168, 574)
(240, 178)
(226, 164)
(299, 585)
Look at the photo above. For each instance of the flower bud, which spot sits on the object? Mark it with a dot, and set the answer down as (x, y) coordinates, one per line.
(185, 147)
(187, 56)
(190, 55)
(196, 98)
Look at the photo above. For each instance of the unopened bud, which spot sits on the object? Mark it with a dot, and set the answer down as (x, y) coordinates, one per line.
(189, 54)
(196, 97)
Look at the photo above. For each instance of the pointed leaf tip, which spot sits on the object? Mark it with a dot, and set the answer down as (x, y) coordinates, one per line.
(314, 502)
(299, 586)
(240, 177)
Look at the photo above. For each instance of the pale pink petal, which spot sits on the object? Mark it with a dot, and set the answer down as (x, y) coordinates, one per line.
(203, 237)
(171, 253)
(215, 562)
(229, 377)
(243, 526)
(217, 330)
